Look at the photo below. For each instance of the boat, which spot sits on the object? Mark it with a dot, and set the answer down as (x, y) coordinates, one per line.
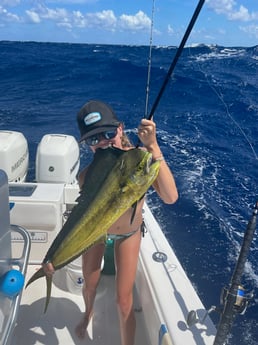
(167, 307)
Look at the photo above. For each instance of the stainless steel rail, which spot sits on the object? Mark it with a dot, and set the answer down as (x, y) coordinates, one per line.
(9, 320)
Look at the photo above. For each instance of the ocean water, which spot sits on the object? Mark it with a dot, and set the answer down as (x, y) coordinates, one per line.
(207, 129)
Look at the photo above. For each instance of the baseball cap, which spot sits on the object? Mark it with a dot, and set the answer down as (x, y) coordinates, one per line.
(96, 117)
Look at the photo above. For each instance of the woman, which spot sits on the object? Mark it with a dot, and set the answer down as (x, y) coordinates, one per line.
(100, 128)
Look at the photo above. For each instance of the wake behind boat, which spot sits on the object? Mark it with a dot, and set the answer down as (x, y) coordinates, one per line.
(163, 298)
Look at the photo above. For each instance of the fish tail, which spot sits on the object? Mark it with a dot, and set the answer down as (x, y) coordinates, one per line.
(40, 273)
(49, 288)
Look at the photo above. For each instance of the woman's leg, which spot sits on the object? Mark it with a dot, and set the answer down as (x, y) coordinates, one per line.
(91, 266)
(126, 258)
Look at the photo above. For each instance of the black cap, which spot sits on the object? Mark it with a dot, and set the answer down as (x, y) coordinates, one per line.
(96, 117)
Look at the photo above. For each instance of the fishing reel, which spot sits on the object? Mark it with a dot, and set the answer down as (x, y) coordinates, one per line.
(240, 299)
(193, 319)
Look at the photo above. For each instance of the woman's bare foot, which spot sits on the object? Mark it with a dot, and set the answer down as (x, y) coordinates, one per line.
(81, 328)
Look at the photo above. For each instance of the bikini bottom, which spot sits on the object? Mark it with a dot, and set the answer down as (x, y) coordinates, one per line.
(115, 237)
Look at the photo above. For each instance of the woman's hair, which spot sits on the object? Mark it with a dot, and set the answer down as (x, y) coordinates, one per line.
(125, 141)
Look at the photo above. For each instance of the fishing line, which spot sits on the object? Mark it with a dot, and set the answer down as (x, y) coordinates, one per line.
(149, 62)
(174, 61)
(176, 57)
(220, 97)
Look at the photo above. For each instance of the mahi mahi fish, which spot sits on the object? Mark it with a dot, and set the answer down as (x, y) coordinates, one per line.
(115, 180)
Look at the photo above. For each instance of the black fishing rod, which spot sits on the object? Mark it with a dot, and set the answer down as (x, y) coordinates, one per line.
(234, 298)
(176, 57)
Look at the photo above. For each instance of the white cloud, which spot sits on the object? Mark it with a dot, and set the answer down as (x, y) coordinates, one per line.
(33, 16)
(78, 19)
(106, 19)
(243, 15)
(7, 16)
(67, 26)
(230, 10)
(53, 14)
(171, 31)
(221, 6)
(64, 18)
(139, 21)
(72, 2)
(10, 2)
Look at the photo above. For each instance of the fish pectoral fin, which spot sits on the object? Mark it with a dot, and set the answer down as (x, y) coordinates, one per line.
(49, 288)
(122, 165)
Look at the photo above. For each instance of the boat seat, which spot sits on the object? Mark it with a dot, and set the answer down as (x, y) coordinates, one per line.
(9, 306)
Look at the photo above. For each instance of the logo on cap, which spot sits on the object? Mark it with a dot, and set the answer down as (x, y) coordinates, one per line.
(92, 118)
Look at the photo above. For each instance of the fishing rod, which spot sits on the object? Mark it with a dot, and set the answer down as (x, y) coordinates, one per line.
(176, 57)
(173, 63)
(149, 62)
(234, 299)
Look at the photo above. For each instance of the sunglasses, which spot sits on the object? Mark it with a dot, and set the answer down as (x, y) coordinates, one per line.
(96, 138)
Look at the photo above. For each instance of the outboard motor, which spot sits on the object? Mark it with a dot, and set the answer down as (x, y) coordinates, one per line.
(57, 159)
(14, 155)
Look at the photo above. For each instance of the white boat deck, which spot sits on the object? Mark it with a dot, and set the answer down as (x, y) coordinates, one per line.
(65, 310)
(163, 294)
(163, 297)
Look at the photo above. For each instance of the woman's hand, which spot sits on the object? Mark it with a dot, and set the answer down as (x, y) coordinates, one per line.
(147, 133)
(48, 268)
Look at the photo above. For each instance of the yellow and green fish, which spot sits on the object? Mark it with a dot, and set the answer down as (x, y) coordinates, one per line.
(115, 180)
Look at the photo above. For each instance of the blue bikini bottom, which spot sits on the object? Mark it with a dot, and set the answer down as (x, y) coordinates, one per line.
(116, 237)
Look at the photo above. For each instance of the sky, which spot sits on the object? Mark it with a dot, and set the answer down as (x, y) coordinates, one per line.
(223, 22)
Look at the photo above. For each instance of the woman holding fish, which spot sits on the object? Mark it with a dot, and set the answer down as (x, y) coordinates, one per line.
(100, 129)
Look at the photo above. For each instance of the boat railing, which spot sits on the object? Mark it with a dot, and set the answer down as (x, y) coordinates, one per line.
(10, 298)
(9, 306)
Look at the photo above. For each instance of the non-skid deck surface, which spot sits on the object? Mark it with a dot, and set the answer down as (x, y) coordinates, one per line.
(64, 312)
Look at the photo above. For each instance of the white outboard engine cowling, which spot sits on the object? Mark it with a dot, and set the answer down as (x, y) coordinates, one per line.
(57, 159)
(14, 155)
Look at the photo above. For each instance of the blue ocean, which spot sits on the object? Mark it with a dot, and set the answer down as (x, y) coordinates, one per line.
(207, 127)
